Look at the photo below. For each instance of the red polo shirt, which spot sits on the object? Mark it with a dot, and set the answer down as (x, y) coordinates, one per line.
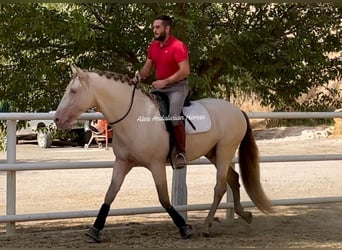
(166, 58)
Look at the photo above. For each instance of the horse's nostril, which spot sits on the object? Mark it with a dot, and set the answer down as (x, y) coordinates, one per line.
(56, 119)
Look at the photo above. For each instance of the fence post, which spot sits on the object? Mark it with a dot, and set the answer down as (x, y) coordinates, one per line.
(179, 189)
(11, 175)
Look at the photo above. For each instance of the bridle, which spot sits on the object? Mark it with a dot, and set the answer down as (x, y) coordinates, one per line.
(129, 109)
(130, 106)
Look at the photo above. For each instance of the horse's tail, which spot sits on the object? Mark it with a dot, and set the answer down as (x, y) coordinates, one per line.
(250, 170)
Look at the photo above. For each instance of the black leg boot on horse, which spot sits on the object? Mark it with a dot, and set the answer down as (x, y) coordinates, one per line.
(94, 231)
(179, 133)
(185, 230)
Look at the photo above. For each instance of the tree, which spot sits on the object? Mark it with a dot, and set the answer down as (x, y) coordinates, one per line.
(277, 51)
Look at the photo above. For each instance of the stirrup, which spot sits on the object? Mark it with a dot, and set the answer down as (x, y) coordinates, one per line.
(180, 161)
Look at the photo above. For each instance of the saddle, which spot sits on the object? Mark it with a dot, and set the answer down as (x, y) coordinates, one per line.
(196, 117)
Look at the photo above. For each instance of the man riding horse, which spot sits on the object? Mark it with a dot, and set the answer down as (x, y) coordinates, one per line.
(170, 58)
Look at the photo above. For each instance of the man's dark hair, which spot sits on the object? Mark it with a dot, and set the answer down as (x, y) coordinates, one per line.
(166, 20)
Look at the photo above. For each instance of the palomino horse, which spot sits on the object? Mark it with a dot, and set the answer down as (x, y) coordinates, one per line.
(146, 143)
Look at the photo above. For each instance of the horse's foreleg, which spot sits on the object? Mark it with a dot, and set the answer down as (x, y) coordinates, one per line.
(233, 181)
(120, 170)
(159, 176)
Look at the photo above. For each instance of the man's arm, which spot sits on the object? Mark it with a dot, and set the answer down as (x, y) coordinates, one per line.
(146, 70)
(182, 73)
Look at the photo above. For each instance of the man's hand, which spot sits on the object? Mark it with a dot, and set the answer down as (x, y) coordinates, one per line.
(137, 78)
(159, 84)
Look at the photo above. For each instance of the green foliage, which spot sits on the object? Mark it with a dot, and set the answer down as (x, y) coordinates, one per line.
(278, 51)
(62, 134)
(4, 107)
(3, 139)
(323, 100)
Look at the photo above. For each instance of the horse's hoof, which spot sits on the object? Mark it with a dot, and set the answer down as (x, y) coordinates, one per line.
(217, 219)
(94, 235)
(186, 231)
(205, 235)
(248, 217)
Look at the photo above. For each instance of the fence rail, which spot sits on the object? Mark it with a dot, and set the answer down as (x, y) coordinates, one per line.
(178, 182)
(25, 166)
(151, 210)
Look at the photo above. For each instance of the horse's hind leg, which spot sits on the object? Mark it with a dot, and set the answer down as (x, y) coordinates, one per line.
(221, 159)
(233, 181)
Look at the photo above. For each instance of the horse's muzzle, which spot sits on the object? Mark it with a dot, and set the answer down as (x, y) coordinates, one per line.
(60, 124)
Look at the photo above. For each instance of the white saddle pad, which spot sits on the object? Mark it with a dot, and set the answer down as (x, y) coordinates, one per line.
(198, 116)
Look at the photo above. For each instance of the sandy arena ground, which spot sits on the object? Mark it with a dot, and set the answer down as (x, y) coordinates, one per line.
(310, 225)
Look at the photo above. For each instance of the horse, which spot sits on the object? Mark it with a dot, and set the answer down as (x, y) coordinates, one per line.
(146, 144)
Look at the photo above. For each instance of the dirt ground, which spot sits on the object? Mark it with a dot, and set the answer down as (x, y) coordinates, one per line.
(310, 225)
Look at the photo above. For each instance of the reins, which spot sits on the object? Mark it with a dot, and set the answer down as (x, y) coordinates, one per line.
(129, 109)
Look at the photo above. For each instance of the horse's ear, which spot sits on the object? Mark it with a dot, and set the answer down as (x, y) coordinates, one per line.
(73, 68)
(79, 71)
(76, 70)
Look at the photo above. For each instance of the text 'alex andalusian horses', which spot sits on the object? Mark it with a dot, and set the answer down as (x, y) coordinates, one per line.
(137, 143)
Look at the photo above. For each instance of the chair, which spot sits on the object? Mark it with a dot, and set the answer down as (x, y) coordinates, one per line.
(99, 134)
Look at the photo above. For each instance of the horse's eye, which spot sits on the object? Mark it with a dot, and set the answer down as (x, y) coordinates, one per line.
(72, 91)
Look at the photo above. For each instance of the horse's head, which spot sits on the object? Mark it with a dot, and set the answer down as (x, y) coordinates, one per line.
(76, 100)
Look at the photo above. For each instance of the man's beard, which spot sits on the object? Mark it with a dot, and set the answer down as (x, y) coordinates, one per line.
(161, 37)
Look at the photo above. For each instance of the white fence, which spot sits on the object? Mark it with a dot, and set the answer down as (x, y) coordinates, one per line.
(178, 183)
